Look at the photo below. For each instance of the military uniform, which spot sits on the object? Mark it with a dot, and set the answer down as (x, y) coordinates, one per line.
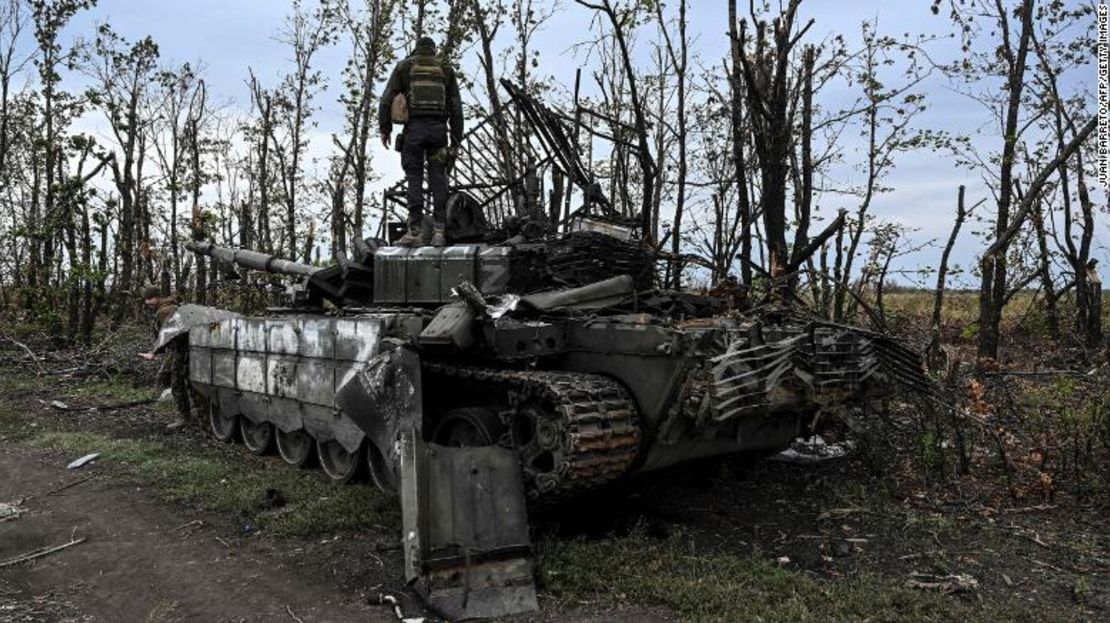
(431, 89)
(175, 372)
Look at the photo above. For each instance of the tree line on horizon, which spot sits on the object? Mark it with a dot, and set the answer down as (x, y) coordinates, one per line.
(729, 165)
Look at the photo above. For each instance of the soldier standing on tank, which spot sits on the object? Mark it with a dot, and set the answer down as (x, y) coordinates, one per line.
(175, 372)
(431, 92)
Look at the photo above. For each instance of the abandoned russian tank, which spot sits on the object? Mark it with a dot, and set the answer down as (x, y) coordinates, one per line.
(531, 358)
(500, 375)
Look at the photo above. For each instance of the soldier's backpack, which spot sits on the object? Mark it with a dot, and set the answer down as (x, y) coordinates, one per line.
(399, 110)
(427, 87)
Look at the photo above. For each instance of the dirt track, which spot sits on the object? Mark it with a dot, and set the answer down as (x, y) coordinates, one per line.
(137, 562)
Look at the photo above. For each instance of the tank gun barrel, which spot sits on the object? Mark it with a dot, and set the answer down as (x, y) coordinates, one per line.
(253, 260)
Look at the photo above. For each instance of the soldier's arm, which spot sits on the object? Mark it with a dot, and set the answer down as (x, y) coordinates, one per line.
(392, 88)
(454, 107)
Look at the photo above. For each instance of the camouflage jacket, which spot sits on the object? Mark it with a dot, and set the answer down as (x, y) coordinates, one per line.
(166, 308)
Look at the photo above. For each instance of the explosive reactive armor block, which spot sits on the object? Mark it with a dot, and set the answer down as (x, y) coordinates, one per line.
(427, 275)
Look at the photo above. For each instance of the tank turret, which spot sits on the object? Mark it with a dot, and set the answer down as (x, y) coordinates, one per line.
(427, 276)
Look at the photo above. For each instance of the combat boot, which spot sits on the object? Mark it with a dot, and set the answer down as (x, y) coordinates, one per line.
(413, 237)
(439, 237)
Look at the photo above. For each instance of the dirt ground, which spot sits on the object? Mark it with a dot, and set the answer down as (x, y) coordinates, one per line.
(142, 559)
(145, 560)
(833, 527)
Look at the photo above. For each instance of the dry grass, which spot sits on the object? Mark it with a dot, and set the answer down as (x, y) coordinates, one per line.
(961, 308)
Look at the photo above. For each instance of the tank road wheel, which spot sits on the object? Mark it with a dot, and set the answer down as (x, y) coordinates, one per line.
(380, 473)
(468, 427)
(258, 437)
(296, 447)
(339, 464)
(537, 437)
(224, 426)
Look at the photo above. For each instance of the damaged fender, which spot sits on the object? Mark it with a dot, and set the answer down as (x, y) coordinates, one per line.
(384, 400)
(187, 317)
(466, 544)
(464, 517)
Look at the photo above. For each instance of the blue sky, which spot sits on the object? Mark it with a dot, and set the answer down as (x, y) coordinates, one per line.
(229, 36)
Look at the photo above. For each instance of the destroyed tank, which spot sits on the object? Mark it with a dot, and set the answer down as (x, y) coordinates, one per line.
(526, 362)
(587, 382)
(475, 377)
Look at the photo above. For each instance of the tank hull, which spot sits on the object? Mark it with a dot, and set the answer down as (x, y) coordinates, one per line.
(694, 391)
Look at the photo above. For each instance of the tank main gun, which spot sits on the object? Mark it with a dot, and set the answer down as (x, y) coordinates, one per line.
(342, 283)
(252, 260)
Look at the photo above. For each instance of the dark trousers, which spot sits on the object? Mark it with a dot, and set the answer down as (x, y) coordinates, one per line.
(423, 138)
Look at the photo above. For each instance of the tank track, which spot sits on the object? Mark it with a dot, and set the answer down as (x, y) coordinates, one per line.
(589, 425)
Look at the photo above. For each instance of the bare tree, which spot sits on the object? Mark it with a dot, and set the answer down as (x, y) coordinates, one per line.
(1054, 58)
(13, 23)
(197, 116)
(993, 285)
(123, 72)
(49, 17)
(619, 21)
(767, 91)
(259, 133)
(487, 18)
(887, 113)
(178, 87)
(306, 33)
(1012, 31)
(350, 169)
(739, 141)
(942, 279)
(679, 62)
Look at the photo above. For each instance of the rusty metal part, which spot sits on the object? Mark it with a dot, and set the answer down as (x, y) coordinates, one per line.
(463, 564)
(573, 430)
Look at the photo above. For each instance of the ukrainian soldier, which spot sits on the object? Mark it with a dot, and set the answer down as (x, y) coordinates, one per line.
(430, 90)
(176, 368)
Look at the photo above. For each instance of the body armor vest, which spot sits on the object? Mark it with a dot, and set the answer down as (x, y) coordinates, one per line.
(427, 87)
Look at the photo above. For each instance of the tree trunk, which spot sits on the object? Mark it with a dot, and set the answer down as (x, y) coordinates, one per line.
(992, 290)
(736, 111)
(942, 284)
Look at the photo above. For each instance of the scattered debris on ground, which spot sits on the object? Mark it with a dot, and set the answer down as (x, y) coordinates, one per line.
(958, 583)
(39, 553)
(11, 510)
(83, 461)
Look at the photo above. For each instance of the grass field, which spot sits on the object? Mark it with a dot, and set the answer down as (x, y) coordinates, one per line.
(705, 585)
(209, 476)
(736, 547)
(961, 307)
